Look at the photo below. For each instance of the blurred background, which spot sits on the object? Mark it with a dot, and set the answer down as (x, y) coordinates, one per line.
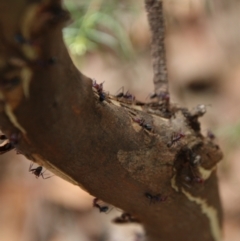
(109, 40)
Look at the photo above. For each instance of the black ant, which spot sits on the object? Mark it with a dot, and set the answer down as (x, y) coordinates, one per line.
(210, 135)
(101, 96)
(191, 161)
(126, 218)
(162, 96)
(45, 63)
(194, 178)
(14, 138)
(52, 60)
(8, 84)
(102, 209)
(198, 179)
(175, 138)
(20, 39)
(142, 123)
(155, 198)
(37, 171)
(126, 95)
(99, 88)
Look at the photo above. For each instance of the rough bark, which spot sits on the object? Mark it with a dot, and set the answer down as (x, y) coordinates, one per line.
(114, 149)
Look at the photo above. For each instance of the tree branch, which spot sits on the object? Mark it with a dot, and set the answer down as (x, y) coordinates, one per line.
(115, 150)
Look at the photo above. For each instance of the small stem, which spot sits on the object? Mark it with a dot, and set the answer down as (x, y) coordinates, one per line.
(154, 9)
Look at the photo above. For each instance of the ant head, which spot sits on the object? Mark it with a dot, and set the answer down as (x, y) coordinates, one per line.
(148, 195)
(165, 96)
(101, 84)
(14, 138)
(95, 200)
(104, 209)
(52, 60)
(163, 199)
(210, 135)
(181, 134)
(198, 180)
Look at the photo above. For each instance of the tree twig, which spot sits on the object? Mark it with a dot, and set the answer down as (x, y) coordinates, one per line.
(156, 21)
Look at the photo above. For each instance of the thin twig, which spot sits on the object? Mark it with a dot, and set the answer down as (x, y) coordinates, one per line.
(154, 10)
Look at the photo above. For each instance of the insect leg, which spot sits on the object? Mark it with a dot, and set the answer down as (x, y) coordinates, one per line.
(30, 167)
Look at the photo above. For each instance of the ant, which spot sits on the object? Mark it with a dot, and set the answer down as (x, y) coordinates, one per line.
(20, 39)
(155, 198)
(14, 138)
(126, 218)
(210, 135)
(175, 138)
(9, 83)
(37, 171)
(101, 96)
(195, 179)
(52, 60)
(162, 95)
(99, 88)
(127, 95)
(142, 123)
(192, 160)
(198, 179)
(45, 63)
(102, 209)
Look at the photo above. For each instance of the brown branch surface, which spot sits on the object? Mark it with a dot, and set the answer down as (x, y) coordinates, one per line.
(122, 153)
